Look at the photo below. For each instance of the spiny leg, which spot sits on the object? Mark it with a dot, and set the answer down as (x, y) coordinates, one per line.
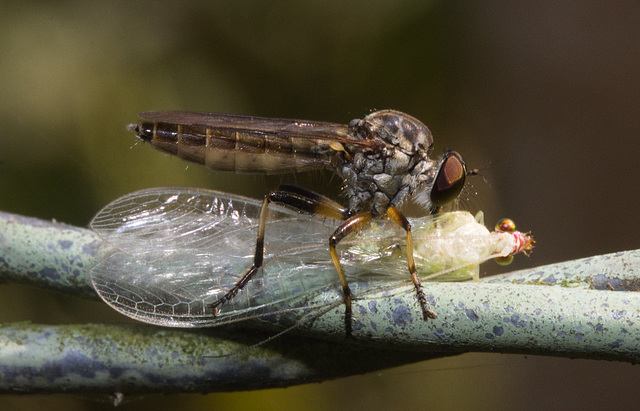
(295, 197)
(396, 216)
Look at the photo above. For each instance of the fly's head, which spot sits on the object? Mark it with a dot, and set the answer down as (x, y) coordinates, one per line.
(441, 182)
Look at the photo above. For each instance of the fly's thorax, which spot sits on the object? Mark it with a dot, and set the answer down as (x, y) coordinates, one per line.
(400, 130)
(375, 181)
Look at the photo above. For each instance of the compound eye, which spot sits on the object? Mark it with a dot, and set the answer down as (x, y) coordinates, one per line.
(506, 225)
(504, 260)
(449, 180)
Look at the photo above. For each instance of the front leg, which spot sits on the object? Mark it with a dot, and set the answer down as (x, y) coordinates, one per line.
(397, 217)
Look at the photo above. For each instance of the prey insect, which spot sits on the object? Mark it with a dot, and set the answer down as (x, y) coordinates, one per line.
(382, 158)
(169, 253)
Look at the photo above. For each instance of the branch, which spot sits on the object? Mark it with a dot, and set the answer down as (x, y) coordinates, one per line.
(566, 309)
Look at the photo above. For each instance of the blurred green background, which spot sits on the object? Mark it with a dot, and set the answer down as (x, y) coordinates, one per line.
(544, 98)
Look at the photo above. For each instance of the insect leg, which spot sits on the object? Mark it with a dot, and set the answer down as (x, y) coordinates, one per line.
(309, 201)
(350, 225)
(295, 197)
(396, 216)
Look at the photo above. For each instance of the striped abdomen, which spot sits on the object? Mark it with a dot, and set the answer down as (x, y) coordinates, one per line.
(237, 149)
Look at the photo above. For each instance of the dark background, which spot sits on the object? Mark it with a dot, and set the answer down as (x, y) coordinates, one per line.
(543, 98)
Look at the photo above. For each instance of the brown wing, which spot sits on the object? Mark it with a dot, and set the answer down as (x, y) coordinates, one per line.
(247, 144)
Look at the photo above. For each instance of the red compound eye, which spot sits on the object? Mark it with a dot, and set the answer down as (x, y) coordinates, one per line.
(506, 225)
(450, 179)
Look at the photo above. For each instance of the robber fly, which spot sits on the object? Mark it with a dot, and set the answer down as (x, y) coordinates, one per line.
(383, 160)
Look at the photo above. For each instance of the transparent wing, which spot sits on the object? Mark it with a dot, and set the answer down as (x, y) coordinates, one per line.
(260, 125)
(168, 253)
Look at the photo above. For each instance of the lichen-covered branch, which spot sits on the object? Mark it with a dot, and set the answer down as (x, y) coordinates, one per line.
(144, 359)
(47, 254)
